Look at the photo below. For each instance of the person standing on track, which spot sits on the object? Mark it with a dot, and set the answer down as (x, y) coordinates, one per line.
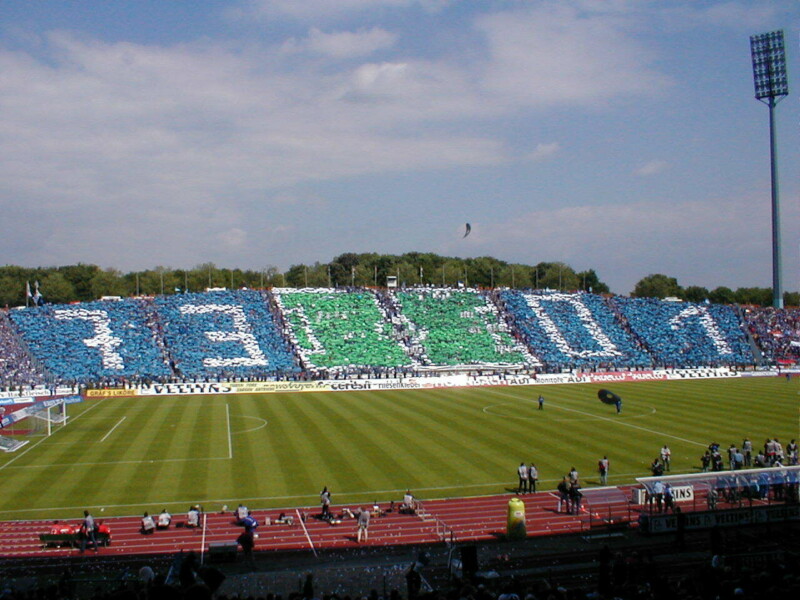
(88, 531)
(602, 468)
(363, 524)
(563, 495)
(522, 471)
(325, 501)
(533, 478)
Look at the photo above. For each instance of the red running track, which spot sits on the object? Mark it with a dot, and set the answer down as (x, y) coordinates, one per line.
(456, 519)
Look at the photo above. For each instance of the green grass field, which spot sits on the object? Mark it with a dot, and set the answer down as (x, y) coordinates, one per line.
(121, 456)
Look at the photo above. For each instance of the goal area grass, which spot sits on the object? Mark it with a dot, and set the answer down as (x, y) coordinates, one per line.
(122, 456)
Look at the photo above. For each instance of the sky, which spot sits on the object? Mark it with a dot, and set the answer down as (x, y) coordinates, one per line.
(621, 136)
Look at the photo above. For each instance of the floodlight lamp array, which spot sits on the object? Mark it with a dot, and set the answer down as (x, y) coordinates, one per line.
(769, 65)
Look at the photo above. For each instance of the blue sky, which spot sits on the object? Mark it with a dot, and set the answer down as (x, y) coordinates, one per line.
(621, 136)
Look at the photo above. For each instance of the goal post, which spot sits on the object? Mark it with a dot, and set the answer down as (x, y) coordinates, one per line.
(48, 415)
(40, 418)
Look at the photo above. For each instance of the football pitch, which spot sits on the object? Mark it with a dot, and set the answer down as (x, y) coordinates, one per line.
(122, 456)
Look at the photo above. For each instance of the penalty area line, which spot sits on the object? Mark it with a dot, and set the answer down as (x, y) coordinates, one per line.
(110, 431)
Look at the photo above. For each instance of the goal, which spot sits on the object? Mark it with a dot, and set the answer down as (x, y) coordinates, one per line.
(41, 418)
(47, 415)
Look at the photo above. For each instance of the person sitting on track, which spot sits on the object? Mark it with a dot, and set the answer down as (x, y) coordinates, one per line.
(164, 519)
(284, 520)
(148, 524)
(409, 506)
(193, 516)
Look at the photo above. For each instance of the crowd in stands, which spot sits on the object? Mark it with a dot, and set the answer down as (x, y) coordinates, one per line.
(775, 331)
(225, 334)
(572, 330)
(335, 330)
(107, 341)
(354, 332)
(17, 365)
(460, 327)
(682, 334)
(715, 568)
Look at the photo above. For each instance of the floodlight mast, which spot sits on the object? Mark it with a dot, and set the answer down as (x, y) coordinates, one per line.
(772, 86)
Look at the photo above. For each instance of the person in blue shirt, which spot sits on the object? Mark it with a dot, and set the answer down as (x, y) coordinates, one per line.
(88, 531)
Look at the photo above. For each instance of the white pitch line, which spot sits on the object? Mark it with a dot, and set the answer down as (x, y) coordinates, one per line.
(142, 461)
(110, 431)
(615, 421)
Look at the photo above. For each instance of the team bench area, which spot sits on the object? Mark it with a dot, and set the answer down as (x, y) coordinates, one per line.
(70, 535)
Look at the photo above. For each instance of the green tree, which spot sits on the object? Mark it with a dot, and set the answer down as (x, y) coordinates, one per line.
(722, 295)
(108, 283)
(558, 276)
(296, 276)
(591, 282)
(656, 286)
(57, 289)
(754, 295)
(80, 277)
(694, 293)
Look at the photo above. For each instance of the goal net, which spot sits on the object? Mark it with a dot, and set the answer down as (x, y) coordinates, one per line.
(46, 416)
(42, 418)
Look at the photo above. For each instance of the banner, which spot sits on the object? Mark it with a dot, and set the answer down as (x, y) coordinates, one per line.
(662, 523)
(186, 389)
(410, 383)
(261, 387)
(112, 392)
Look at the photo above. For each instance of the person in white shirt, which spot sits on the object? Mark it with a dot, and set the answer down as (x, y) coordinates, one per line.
(533, 477)
(148, 524)
(409, 505)
(164, 519)
(522, 471)
(666, 456)
(193, 517)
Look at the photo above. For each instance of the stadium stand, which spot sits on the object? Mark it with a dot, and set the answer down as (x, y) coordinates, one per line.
(291, 333)
(776, 331)
(222, 334)
(340, 330)
(103, 342)
(17, 367)
(567, 330)
(460, 327)
(684, 334)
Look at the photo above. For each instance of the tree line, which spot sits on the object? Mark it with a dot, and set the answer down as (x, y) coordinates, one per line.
(84, 282)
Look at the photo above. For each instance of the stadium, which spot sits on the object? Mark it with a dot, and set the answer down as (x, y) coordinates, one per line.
(262, 398)
(447, 409)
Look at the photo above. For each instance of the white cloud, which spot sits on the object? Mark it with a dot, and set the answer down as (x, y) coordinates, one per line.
(551, 53)
(543, 151)
(342, 44)
(709, 242)
(234, 237)
(734, 15)
(316, 10)
(653, 167)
